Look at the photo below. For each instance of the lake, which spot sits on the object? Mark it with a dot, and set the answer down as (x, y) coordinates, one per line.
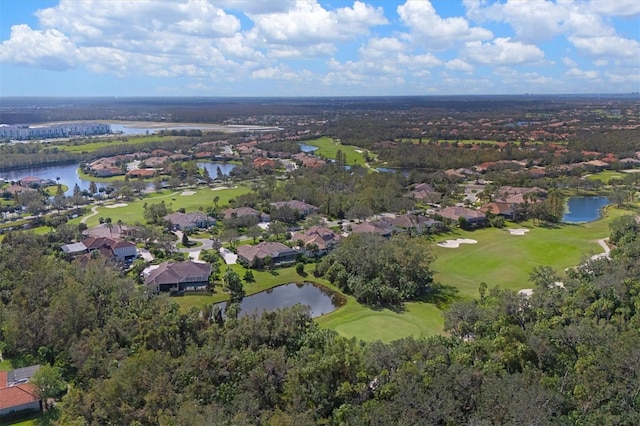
(66, 172)
(319, 299)
(584, 209)
(132, 129)
(212, 168)
(307, 148)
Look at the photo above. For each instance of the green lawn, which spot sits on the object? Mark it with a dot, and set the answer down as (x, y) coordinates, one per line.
(131, 140)
(134, 210)
(328, 149)
(417, 319)
(507, 260)
(498, 259)
(351, 320)
(606, 175)
(53, 190)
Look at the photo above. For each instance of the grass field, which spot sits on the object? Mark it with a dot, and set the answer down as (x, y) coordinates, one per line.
(417, 319)
(606, 175)
(53, 190)
(94, 146)
(328, 148)
(504, 260)
(134, 210)
(351, 320)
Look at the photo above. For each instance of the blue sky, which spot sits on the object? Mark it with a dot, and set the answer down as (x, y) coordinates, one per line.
(318, 47)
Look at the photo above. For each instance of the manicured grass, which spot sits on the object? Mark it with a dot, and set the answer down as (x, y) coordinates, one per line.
(606, 175)
(417, 319)
(328, 148)
(351, 320)
(134, 210)
(504, 260)
(131, 140)
(192, 244)
(53, 190)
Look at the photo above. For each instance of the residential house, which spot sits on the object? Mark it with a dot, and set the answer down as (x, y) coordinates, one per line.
(178, 276)
(190, 221)
(376, 227)
(110, 230)
(112, 248)
(17, 189)
(254, 256)
(301, 207)
(260, 163)
(408, 221)
(425, 193)
(241, 212)
(473, 218)
(144, 173)
(509, 201)
(598, 164)
(16, 393)
(32, 182)
(317, 240)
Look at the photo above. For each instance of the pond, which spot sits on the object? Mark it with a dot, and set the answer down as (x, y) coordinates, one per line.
(405, 172)
(584, 209)
(307, 148)
(212, 168)
(319, 299)
(67, 174)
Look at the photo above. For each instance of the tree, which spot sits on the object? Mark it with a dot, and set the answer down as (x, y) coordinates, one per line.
(216, 199)
(185, 239)
(48, 382)
(233, 284)
(254, 232)
(93, 188)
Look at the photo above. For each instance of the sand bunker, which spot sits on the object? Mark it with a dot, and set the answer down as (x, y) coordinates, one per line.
(220, 188)
(518, 231)
(456, 243)
(188, 192)
(115, 206)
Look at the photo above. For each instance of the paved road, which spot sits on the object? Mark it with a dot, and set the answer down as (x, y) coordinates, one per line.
(194, 252)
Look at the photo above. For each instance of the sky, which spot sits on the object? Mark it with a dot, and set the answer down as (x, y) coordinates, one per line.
(318, 47)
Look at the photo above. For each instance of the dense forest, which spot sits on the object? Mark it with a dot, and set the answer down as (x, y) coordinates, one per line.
(568, 354)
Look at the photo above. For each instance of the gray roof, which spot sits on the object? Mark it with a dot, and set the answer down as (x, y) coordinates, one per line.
(24, 373)
(74, 248)
(178, 272)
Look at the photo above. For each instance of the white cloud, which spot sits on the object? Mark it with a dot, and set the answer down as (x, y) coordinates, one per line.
(633, 78)
(49, 49)
(612, 47)
(532, 20)
(432, 31)
(502, 51)
(256, 6)
(575, 72)
(459, 65)
(309, 22)
(569, 62)
(280, 73)
(624, 8)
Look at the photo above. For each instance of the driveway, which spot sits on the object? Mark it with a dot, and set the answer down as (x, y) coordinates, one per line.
(230, 258)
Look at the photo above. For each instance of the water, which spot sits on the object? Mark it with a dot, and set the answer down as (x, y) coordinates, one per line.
(319, 299)
(584, 209)
(66, 172)
(132, 129)
(212, 168)
(405, 172)
(307, 148)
